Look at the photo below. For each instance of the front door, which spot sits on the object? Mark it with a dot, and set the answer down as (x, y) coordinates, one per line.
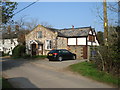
(33, 49)
(84, 52)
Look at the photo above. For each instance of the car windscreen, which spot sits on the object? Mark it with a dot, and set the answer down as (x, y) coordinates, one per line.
(53, 51)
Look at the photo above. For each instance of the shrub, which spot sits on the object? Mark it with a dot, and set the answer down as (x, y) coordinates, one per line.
(18, 51)
(4, 54)
(26, 56)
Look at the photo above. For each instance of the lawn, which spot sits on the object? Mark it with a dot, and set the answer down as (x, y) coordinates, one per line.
(89, 69)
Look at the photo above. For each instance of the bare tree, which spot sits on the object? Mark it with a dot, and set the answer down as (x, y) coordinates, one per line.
(45, 24)
(32, 23)
(112, 12)
(113, 7)
(21, 22)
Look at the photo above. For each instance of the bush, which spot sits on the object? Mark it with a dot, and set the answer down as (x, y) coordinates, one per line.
(26, 56)
(18, 51)
(4, 54)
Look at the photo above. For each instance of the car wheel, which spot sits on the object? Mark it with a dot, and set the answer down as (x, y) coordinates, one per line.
(60, 58)
(74, 57)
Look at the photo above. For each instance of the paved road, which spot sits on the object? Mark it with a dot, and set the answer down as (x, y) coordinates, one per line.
(33, 74)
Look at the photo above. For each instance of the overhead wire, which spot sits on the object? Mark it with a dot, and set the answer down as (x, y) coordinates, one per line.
(25, 7)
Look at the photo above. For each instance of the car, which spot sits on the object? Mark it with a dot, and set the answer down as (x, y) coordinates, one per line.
(60, 54)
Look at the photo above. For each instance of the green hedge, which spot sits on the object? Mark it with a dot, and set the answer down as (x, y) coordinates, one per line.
(18, 51)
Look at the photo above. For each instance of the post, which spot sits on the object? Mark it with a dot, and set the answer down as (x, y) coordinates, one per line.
(105, 23)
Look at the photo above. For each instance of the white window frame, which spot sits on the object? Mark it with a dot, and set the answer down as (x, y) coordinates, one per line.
(39, 47)
(47, 44)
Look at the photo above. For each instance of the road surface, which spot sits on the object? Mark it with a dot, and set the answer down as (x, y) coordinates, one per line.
(38, 74)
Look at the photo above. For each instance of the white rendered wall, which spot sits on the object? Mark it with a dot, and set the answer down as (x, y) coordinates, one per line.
(8, 46)
(93, 33)
(94, 43)
(90, 32)
(81, 41)
(1, 45)
(71, 41)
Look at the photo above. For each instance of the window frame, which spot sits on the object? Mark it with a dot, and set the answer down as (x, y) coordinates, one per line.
(39, 47)
(39, 36)
(46, 44)
(91, 38)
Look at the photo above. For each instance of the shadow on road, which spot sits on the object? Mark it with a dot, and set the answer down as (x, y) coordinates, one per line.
(9, 63)
(21, 82)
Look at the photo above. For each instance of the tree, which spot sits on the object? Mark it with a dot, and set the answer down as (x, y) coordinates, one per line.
(8, 11)
(108, 57)
(100, 37)
(45, 24)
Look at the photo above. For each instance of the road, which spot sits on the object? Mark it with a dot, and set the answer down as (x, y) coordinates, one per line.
(33, 74)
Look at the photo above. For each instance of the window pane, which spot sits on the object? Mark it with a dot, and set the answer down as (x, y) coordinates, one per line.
(71, 41)
(40, 34)
(48, 44)
(39, 46)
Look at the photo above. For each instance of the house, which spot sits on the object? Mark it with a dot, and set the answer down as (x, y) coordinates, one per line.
(77, 40)
(8, 42)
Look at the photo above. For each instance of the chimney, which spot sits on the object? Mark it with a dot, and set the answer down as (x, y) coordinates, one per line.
(72, 26)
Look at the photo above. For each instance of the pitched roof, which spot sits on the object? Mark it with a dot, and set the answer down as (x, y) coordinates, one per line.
(13, 34)
(8, 36)
(70, 32)
(52, 29)
(74, 32)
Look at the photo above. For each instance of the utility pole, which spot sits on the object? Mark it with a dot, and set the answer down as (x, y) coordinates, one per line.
(105, 23)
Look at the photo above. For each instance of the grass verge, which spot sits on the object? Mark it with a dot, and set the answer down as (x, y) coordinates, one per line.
(90, 70)
(6, 84)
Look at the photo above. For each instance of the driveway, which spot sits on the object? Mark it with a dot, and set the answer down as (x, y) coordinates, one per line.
(44, 74)
(56, 65)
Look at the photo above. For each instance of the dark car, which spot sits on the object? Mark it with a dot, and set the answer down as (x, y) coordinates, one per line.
(60, 54)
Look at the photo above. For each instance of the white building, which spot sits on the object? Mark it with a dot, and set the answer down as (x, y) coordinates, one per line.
(7, 45)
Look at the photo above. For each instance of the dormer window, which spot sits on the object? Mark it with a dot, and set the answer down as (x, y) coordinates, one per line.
(39, 34)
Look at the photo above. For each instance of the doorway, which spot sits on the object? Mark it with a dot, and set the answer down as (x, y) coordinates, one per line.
(33, 49)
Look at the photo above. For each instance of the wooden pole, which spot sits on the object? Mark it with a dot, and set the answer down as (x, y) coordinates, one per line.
(105, 23)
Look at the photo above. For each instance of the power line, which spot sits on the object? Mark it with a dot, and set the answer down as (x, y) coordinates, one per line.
(25, 7)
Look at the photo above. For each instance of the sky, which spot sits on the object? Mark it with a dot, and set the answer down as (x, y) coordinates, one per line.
(62, 14)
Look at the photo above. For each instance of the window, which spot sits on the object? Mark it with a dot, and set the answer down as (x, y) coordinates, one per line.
(3, 41)
(39, 47)
(71, 41)
(39, 34)
(91, 38)
(48, 44)
(65, 51)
